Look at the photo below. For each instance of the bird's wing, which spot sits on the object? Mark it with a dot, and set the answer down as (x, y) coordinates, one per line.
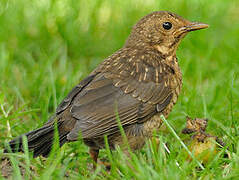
(134, 101)
(69, 98)
(77, 89)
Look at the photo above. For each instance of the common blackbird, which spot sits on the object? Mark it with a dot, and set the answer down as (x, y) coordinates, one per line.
(139, 82)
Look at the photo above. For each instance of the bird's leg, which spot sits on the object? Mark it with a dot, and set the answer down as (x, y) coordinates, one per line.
(94, 155)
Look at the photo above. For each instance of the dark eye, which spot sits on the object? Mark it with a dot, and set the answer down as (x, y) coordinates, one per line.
(167, 25)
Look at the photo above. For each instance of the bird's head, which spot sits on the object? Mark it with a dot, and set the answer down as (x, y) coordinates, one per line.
(162, 30)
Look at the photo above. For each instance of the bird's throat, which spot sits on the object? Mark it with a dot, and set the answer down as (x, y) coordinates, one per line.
(165, 50)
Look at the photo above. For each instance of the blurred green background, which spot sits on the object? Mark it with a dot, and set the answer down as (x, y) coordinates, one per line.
(48, 46)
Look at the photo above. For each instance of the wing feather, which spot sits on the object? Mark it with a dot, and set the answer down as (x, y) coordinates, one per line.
(135, 90)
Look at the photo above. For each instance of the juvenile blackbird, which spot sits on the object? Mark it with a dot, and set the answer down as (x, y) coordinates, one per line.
(140, 81)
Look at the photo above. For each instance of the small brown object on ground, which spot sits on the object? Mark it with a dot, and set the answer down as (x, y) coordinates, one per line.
(203, 145)
(141, 81)
(196, 125)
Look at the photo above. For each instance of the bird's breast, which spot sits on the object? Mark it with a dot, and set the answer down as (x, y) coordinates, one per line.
(175, 82)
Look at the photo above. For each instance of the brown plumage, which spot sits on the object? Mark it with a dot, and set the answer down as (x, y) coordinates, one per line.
(140, 81)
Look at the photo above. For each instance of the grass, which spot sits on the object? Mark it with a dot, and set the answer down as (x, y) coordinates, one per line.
(47, 47)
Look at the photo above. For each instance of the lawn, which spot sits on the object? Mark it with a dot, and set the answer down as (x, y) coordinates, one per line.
(49, 46)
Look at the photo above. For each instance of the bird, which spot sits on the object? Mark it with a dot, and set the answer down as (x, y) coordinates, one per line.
(134, 86)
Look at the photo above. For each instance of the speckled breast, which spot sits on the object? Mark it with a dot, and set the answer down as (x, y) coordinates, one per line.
(176, 84)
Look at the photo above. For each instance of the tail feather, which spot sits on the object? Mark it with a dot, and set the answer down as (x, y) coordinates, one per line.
(40, 141)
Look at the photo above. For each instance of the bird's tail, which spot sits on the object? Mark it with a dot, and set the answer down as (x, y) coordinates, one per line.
(40, 141)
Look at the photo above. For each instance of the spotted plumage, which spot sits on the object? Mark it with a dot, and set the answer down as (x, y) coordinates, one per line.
(139, 82)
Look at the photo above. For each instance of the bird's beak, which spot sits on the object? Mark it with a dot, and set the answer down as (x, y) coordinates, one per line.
(193, 27)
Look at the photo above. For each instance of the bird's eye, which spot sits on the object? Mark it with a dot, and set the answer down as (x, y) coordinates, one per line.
(167, 25)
